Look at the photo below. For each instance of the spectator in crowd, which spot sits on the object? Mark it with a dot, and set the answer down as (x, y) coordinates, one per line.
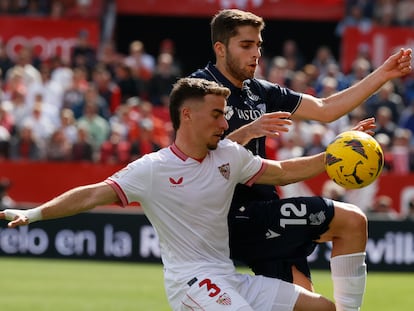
(386, 97)
(141, 63)
(292, 54)
(161, 130)
(160, 84)
(6, 200)
(354, 18)
(24, 146)
(50, 91)
(6, 118)
(74, 95)
(320, 136)
(332, 190)
(385, 14)
(98, 127)
(126, 122)
(402, 153)
(279, 72)
(117, 149)
(385, 124)
(5, 62)
(108, 55)
(322, 58)
(39, 120)
(83, 53)
(92, 95)
(407, 119)
(68, 125)
(57, 9)
(129, 84)
(361, 67)
(145, 143)
(404, 13)
(107, 88)
(168, 46)
(300, 83)
(82, 148)
(383, 209)
(29, 62)
(58, 148)
(385, 143)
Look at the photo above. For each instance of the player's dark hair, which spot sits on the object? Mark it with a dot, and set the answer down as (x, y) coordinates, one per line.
(192, 88)
(225, 23)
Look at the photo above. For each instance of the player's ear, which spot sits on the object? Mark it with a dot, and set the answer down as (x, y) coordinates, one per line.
(219, 49)
(186, 113)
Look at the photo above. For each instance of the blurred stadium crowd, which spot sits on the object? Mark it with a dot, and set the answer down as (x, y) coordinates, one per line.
(107, 107)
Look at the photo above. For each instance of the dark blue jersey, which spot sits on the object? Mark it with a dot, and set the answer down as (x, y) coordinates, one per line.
(245, 105)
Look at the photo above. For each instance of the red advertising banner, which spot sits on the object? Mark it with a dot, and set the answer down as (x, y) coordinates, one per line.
(37, 182)
(282, 9)
(379, 42)
(48, 37)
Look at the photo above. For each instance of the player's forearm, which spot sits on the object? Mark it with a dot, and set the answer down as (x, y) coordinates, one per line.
(347, 100)
(299, 169)
(242, 135)
(70, 203)
(293, 170)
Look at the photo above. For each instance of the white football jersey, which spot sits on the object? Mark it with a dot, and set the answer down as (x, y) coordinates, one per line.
(187, 202)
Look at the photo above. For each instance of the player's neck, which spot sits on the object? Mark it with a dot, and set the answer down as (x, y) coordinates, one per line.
(190, 149)
(223, 70)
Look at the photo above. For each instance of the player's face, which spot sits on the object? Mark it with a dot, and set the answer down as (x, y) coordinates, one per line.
(243, 53)
(209, 121)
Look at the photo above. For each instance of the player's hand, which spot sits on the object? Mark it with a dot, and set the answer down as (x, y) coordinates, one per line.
(17, 217)
(366, 125)
(271, 124)
(398, 64)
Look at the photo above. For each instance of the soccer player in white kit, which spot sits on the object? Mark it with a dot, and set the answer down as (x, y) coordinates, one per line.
(185, 191)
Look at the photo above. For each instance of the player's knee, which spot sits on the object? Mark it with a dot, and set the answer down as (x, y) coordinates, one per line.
(355, 220)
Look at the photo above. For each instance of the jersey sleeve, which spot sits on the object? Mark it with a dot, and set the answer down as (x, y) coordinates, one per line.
(133, 181)
(251, 166)
(279, 98)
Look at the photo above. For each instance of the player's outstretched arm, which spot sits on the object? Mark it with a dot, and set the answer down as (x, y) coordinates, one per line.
(269, 125)
(292, 170)
(72, 202)
(336, 105)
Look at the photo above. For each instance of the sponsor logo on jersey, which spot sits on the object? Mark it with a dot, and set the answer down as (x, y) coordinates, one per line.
(270, 234)
(176, 182)
(224, 299)
(225, 170)
(317, 219)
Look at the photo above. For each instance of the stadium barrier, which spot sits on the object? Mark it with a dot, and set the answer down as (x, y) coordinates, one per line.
(129, 237)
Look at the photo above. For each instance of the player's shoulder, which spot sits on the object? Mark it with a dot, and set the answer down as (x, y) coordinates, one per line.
(261, 84)
(230, 146)
(201, 73)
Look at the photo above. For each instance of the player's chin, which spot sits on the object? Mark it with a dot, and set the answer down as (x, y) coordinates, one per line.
(213, 144)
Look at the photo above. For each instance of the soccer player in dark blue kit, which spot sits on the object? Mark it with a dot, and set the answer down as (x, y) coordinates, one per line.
(274, 236)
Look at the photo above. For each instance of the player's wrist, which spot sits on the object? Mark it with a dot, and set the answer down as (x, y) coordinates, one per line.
(34, 214)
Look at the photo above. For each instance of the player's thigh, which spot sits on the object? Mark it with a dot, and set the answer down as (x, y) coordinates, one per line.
(213, 294)
(310, 301)
(348, 220)
(299, 217)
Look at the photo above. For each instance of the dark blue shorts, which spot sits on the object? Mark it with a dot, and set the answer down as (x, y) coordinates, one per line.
(271, 236)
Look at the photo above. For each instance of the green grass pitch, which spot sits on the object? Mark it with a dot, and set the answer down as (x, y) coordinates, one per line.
(67, 285)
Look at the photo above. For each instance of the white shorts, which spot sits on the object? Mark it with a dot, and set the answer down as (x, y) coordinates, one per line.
(238, 292)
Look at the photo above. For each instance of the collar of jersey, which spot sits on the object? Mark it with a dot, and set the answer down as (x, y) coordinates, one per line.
(219, 77)
(181, 155)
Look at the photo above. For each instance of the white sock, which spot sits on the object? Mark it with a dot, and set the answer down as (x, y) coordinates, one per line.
(349, 274)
